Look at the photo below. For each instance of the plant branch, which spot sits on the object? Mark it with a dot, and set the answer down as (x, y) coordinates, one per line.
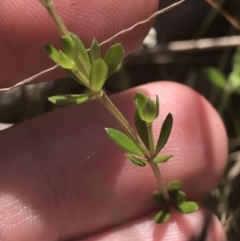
(108, 104)
(225, 14)
(150, 138)
(63, 29)
(55, 16)
(160, 181)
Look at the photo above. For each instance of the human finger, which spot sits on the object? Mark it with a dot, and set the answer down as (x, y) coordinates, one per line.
(26, 27)
(64, 178)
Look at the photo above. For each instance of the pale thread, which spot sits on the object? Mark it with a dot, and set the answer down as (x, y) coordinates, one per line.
(30, 79)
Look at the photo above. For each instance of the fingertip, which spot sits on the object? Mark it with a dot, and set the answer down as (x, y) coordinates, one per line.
(198, 139)
(198, 226)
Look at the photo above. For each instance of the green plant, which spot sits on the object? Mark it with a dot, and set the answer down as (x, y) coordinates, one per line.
(91, 70)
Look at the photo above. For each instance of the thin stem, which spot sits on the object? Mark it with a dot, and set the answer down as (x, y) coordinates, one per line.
(108, 104)
(81, 76)
(160, 181)
(48, 4)
(150, 138)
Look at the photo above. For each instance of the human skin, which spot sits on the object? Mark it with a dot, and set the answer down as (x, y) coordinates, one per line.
(60, 176)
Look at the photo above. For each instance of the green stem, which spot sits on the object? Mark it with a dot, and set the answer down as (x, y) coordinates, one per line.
(160, 181)
(82, 77)
(151, 139)
(48, 4)
(108, 104)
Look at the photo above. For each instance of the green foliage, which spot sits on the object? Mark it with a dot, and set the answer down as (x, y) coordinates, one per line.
(59, 57)
(113, 58)
(68, 46)
(91, 70)
(141, 129)
(157, 197)
(188, 207)
(173, 186)
(216, 77)
(162, 216)
(164, 133)
(65, 100)
(95, 52)
(136, 161)
(234, 76)
(162, 159)
(98, 74)
(123, 141)
(147, 109)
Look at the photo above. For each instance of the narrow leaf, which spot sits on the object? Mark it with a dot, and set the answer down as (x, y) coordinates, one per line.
(52, 52)
(123, 141)
(188, 207)
(157, 197)
(149, 111)
(164, 133)
(162, 217)
(65, 62)
(98, 74)
(173, 186)
(141, 129)
(68, 46)
(82, 50)
(136, 161)
(113, 58)
(59, 57)
(73, 76)
(140, 100)
(162, 159)
(179, 197)
(216, 77)
(95, 51)
(65, 100)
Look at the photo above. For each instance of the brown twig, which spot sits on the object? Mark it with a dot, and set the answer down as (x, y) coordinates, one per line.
(235, 23)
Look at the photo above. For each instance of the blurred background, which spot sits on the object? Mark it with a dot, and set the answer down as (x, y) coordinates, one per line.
(192, 44)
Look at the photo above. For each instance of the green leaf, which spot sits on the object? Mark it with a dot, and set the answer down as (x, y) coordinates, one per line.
(65, 100)
(72, 75)
(123, 141)
(82, 50)
(68, 46)
(59, 57)
(216, 77)
(150, 112)
(98, 74)
(136, 161)
(234, 78)
(113, 58)
(179, 197)
(52, 52)
(164, 133)
(188, 207)
(173, 186)
(95, 51)
(162, 159)
(141, 129)
(65, 62)
(140, 100)
(162, 216)
(157, 197)
(236, 60)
